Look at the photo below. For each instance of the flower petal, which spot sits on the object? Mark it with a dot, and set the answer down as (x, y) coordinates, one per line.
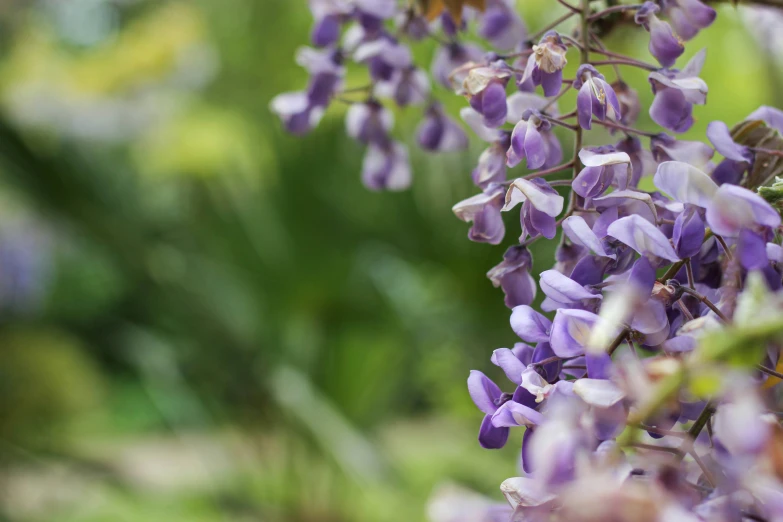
(550, 203)
(598, 392)
(685, 183)
(483, 391)
(563, 289)
(530, 325)
(571, 331)
(642, 236)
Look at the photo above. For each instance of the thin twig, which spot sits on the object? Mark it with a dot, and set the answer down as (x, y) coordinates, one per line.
(653, 447)
(546, 172)
(672, 271)
(570, 7)
(703, 299)
(769, 371)
(557, 97)
(537, 36)
(689, 271)
(632, 63)
(614, 9)
(561, 123)
(601, 45)
(617, 341)
(684, 309)
(631, 130)
(658, 431)
(706, 472)
(725, 247)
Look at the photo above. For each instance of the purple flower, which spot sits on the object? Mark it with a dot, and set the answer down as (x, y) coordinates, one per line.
(328, 15)
(451, 57)
(384, 57)
(372, 13)
(439, 133)
(369, 123)
(772, 116)
(601, 170)
(642, 236)
(596, 97)
(563, 291)
(540, 205)
(513, 276)
(301, 111)
(386, 167)
(501, 25)
(666, 148)
(665, 46)
(629, 102)
(578, 231)
(486, 89)
(545, 66)
(532, 138)
(484, 211)
(571, 331)
(720, 137)
(676, 94)
(642, 161)
(734, 208)
(491, 166)
(407, 86)
(530, 325)
(688, 233)
(488, 398)
(685, 183)
(688, 16)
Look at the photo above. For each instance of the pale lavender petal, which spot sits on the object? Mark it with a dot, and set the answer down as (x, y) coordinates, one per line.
(580, 233)
(535, 151)
(772, 116)
(530, 325)
(734, 208)
(547, 201)
(483, 391)
(685, 183)
(571, 331)
(642, 236)
(512, 414)
(752, 250)
(563, 289)
(720, 137)
(598, 392)
(584, 107)
(509, 363)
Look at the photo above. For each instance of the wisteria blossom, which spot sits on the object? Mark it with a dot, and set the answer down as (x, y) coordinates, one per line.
(641, 379)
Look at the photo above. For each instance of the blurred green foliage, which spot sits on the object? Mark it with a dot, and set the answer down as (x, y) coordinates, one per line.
(209, 276)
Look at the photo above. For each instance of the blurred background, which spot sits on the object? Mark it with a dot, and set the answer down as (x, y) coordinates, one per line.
(204, 319)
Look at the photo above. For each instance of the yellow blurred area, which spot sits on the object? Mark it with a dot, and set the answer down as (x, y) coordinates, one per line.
(145, 51)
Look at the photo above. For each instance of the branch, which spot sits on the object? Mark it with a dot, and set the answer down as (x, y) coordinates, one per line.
(537, 36)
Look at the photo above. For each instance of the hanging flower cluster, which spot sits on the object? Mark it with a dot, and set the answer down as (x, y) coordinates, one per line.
(644, 383)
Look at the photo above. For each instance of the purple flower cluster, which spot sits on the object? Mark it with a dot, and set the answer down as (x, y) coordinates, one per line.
(644, 380)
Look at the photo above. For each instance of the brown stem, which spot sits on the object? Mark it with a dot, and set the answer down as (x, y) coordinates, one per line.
(630, 130)
(689, 270)
(724, 246)
(537, 36)
(614, 9)
(546, 172)
(632, 63)
(557, 97)
(769, 371)
(703, 299)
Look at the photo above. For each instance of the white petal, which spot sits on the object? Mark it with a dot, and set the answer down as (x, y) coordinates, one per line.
(598, 392)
